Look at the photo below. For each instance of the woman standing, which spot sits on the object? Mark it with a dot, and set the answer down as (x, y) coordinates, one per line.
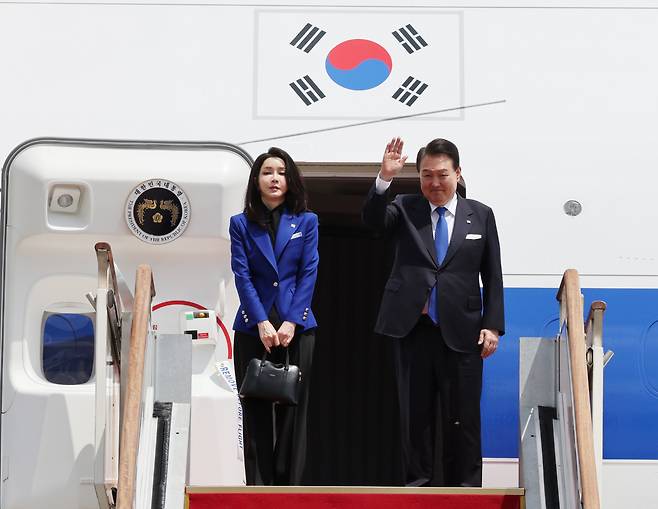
(274, 257)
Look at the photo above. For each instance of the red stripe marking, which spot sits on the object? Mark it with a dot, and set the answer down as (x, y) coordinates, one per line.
(194, 305)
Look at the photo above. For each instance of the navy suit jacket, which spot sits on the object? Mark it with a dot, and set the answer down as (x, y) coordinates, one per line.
(284, 274)
(473, 253)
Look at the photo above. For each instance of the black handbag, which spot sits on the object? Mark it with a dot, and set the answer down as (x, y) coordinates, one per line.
(278, 383)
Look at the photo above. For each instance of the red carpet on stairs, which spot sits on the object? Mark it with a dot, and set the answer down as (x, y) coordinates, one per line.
(354, 498)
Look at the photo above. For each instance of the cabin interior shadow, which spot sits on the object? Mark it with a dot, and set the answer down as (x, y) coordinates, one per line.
(354, 434)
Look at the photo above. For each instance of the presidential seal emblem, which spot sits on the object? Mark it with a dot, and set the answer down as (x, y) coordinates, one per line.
(157, 211)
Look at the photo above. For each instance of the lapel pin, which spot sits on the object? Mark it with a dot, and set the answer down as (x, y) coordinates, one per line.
(292, 225)
(468, 221)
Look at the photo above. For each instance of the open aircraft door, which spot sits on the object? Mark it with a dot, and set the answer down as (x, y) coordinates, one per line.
(165, 204)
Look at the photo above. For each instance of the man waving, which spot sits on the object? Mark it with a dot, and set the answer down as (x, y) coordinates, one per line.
(443, 325)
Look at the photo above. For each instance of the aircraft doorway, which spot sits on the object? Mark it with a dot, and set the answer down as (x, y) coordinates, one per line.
(354, 427)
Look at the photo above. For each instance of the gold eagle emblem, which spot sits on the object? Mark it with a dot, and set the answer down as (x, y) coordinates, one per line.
(171, 207)
(157, 217)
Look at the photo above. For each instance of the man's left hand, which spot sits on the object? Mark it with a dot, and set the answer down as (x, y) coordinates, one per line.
(489, 341)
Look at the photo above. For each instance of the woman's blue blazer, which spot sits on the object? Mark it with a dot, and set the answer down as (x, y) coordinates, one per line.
(284, 275)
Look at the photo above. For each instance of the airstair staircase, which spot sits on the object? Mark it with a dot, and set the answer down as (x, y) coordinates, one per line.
(143, 415)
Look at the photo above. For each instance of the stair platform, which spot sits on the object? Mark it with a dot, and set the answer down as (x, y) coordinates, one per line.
(343, 497)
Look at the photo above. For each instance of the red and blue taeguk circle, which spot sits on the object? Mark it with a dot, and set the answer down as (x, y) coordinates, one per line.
(358, 64)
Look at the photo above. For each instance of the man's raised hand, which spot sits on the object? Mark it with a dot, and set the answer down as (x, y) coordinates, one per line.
(393, 160)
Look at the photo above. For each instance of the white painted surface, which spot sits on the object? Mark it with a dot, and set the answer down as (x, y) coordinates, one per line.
(626, 483)
(575, 82)
(629, 483)
(500, 473)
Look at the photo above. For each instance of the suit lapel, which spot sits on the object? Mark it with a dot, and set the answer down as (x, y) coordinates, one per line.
(288, 225)
(460, 229)
(262, 240)
(420, 215)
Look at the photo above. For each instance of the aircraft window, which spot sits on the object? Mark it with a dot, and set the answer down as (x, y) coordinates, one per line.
(68, 348)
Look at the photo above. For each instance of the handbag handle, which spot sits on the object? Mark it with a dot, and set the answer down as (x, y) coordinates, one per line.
(286, 366)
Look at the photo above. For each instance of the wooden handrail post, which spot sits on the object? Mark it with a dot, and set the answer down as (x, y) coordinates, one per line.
(571, 301)
(130, 427)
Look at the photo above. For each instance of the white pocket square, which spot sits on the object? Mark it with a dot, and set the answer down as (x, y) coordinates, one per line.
(296, 235)
(473, 236)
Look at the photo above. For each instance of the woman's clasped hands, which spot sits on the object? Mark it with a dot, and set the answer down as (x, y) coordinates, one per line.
(270, 337)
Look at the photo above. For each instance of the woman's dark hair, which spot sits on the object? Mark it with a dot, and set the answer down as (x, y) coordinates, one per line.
(437, 147)
(295, 200)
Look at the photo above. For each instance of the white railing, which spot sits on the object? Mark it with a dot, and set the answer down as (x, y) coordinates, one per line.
(596, 361)
(107, 375)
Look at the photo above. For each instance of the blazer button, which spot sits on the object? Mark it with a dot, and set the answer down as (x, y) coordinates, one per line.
(275, 283)
(303, 318)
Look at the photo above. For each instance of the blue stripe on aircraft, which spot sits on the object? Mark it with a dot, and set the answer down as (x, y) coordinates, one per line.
(630, 329)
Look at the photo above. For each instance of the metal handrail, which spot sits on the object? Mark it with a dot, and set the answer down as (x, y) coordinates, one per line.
(107, 279)
(107, 387)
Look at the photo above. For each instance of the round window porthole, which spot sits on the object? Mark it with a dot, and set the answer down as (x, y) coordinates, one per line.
(157, 211)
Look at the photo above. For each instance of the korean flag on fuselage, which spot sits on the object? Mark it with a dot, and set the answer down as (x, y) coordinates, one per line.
(356, 64)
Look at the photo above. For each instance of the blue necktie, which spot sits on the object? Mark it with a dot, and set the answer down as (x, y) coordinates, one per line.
(441, 245)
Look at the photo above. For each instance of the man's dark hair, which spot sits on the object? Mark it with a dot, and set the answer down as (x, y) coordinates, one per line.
(295, 200)
(437, 147)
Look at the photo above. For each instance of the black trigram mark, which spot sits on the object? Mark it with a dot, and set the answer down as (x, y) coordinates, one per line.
(410, 91)
(307, 90)
(307, 38)
(409, 38)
